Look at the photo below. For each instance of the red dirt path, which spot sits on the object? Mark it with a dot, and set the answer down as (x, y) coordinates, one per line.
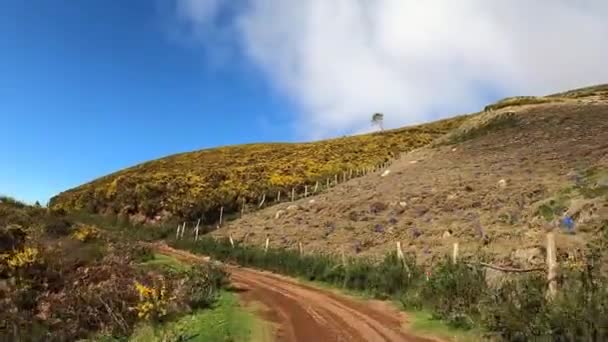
(306, 313)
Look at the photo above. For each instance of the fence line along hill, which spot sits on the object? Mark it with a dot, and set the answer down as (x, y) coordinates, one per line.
(496, 184)
(197, 184)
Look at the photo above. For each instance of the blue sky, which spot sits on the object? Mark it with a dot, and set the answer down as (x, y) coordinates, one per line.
(90, 87)
(87, 90)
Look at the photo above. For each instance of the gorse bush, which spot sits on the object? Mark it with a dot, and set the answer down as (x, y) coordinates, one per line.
(195, 184)
(154, 300)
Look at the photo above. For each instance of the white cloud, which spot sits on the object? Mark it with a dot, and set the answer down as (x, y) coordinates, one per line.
(342, 60)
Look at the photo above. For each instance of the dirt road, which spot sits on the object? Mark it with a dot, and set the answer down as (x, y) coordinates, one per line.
(306, 313)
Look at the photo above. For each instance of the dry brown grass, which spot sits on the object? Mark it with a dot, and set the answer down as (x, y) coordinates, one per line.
(456, 188)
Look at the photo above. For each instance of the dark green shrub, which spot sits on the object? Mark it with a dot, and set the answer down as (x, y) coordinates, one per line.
(580, 311)
(453, 292)
(517, 310)
(412, 298)
(11, 238)
(140, 253)
(203, 283)
(58, 226)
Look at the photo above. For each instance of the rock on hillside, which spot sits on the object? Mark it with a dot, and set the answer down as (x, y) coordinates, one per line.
(495, 186)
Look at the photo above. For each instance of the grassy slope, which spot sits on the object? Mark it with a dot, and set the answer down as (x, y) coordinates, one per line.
(195, 183)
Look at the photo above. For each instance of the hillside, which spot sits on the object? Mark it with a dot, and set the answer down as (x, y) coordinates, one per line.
(195, 184)
(495, 184)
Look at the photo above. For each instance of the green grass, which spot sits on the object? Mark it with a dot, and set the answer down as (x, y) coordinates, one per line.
(162, 260)
(423, 323)
(226, 321)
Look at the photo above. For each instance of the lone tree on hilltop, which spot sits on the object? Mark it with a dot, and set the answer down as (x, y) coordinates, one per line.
(377, 119)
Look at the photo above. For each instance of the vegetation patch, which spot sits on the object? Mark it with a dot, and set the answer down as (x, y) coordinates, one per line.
(226, 320)
(515, 310)
(58, 287)
(520, 101)
(196, 184)
(480, 125)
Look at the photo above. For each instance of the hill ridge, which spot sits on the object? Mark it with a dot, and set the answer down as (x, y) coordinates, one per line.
(191, 185)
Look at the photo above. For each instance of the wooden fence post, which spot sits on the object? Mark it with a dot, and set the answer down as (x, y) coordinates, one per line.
(279, 196)
(221, 214)
(243, 207)
(305, 190)
(266, 245)
(179, 226)
(455, 253)
(551, 265)
(293, 194)
(316, 187)
(401, 257)
(336, 179)
(263, 200)
(350, 174)
(196, 229)
(231, 240)
(327, 185)
(183, 230)
(300, 248)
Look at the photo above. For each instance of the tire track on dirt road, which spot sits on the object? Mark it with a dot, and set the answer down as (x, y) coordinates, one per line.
(306, 313)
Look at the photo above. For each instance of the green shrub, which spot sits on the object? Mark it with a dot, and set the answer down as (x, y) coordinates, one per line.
(517, 310)
(203, 283)
(412, 298)
(58, 226)
(11, 238)
(453, 292)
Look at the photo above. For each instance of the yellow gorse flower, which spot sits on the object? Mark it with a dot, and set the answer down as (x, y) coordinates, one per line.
(85, 233)
(153, 301)
(20, 258)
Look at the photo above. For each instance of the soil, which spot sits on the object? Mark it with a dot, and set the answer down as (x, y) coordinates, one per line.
(306, 313)
(483, 193)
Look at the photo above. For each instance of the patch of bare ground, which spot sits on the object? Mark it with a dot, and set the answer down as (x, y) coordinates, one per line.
(485, 190)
